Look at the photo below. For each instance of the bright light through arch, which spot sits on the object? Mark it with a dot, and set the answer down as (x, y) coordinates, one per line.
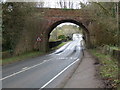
(60, 25)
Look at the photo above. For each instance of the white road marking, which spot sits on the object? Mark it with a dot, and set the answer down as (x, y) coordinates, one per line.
(59, 74)
(23, 70)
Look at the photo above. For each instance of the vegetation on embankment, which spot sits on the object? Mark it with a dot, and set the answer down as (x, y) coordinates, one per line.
(103, 29)
(115, 48)
(60, 45)
(27, 55)
(23, 56)
(108, 68)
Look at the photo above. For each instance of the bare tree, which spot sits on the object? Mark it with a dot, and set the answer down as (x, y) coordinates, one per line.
(60, 3)
(64, 4)
(41, 3)
(70, 5)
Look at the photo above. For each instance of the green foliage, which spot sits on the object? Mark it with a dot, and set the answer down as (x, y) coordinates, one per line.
(14, 16)
(104, 24)
(66, 30)
(21, 57)
(82, 5)
(60, 45)
(62, 37)
(109, 68)
(114, 47)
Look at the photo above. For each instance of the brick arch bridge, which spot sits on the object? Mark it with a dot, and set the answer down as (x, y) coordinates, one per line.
(45, 20)
(54, 17)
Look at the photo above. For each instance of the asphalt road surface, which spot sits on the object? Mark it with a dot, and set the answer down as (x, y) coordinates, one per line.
(39, 72)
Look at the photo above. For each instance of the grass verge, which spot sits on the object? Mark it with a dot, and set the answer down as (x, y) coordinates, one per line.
(108, 68)
(60, 45)
(21, 57)
(115, 48)
(26, 55)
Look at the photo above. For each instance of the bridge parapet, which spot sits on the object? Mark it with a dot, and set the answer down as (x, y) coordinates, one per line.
(54, 12)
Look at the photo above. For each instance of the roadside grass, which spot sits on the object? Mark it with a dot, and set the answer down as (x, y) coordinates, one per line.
(108, 68)
(26, 55)
(21, 57)
(53, 40)
(60, 45)
(115, 48)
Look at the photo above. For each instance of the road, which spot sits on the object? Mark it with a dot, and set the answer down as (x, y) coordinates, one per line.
(39, 72)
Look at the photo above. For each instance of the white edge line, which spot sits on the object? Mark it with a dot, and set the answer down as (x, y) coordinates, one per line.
(23, 70)
(59, 74)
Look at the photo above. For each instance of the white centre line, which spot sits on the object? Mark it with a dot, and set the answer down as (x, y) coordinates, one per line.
(59, 74)
(23, 70)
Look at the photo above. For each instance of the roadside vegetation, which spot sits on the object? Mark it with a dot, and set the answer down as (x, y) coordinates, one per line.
(60, 45)
(62, 34)
(114, 47)
(108, 69)
(104, 27)
(105, 39)
(21, 57)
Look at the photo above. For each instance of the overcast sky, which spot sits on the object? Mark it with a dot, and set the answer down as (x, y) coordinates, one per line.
(43, 0)
(53, 3)
(67, 24)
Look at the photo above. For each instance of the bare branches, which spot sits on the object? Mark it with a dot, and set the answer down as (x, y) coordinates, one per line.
(106, 11)
(65, 4)
(40, 3)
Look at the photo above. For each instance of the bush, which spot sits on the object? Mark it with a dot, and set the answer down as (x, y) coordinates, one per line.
(62, 37)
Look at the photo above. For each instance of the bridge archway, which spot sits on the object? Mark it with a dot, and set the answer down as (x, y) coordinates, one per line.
(55, 24)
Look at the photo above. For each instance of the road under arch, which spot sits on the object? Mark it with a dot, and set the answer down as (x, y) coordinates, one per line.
(55, 24)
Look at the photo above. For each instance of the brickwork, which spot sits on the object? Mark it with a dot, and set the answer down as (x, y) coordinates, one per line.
(65, 13)
(44, 21)
(55, 17)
